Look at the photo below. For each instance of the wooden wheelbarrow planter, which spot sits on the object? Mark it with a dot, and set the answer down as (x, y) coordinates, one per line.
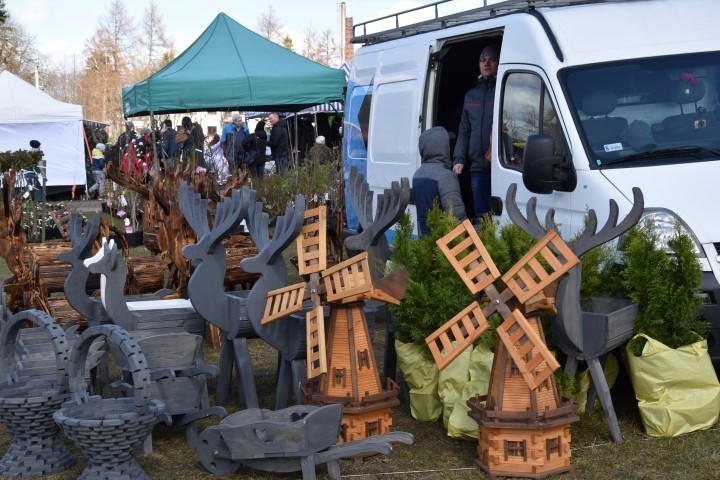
(293, 439)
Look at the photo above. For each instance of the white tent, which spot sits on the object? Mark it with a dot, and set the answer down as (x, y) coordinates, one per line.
(27, 113)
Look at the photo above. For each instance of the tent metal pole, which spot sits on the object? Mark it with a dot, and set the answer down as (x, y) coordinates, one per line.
(297, 145)
(156, 160)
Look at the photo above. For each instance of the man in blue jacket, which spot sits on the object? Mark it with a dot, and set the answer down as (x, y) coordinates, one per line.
(434, 181)
(473, 146)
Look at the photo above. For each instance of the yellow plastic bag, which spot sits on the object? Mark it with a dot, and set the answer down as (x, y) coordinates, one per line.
(610, 371)
(451, 381)
(677, 389)
(460, 424)
(421, 376)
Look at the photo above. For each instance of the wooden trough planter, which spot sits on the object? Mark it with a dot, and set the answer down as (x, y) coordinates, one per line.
(109, 432)
(27, 403)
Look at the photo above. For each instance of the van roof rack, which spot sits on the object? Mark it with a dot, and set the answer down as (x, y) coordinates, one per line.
(433, 20)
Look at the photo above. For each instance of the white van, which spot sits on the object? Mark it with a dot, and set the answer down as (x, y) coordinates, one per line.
(623, 93)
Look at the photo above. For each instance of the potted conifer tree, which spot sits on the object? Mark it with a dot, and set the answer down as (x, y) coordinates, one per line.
(434, 294)
(671, 371)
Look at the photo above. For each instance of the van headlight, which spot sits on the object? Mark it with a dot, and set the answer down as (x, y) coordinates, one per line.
(663, 223)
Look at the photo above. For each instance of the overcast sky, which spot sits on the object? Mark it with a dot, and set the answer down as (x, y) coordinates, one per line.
(61, 28)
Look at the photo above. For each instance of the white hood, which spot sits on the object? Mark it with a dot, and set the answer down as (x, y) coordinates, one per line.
(690, 190)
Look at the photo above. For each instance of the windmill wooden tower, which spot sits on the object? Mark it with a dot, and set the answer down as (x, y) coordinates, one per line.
(523, 422)
(341, 365)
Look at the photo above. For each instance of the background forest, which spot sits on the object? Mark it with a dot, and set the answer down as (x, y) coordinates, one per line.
(125, 49)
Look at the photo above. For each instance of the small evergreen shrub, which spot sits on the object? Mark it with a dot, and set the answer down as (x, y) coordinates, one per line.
(435, 292)
(665, 287)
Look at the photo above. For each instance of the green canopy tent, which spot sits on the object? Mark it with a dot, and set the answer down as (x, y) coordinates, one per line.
(232, 68)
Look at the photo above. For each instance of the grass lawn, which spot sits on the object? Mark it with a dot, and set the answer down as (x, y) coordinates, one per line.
(434, 455)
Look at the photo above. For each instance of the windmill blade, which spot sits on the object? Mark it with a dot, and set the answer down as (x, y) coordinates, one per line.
(529, 275)
(283, 302)
(533, 359)
(316, 353)
(348, 281)
(469, 257)
(465, 327)
(312, 242)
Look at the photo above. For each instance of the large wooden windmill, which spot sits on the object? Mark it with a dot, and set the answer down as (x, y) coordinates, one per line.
(341, 365)
(340, 362)
(523, 421)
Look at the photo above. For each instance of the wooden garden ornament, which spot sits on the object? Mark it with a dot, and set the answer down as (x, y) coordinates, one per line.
(583, 335)
(522, 416)
(168, 321)
(288, 337)
(28, 400)
(343, 364)
(225, 310)
(295, 438)
(372, 239)
(109, 431)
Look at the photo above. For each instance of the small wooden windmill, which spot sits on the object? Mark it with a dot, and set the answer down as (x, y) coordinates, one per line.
(341, 366)
(523, 421)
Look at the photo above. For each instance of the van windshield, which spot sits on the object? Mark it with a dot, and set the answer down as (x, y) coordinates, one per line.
(656, 110)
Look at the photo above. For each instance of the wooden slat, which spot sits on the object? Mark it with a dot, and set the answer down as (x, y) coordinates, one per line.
(348, 278)
(316, 354)
(312, 242)
(529, 365)
(560, 257)
(466, 327)
(469, 258)
(283, 302)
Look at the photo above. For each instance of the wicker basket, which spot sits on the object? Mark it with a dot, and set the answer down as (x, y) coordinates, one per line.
(27, 403)
(109, 431)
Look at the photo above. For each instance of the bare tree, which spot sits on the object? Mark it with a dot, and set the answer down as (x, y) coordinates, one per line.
(61, 79)
(321, 47)
(3, 12)
(329, 48)
(154, 41)
(269, 25)
(106, 66)
(18, 53)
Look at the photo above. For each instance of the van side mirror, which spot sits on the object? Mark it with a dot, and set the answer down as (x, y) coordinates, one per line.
(543, 170)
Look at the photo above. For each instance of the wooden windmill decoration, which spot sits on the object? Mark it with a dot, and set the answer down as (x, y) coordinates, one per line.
(341, 366)
(523, 421)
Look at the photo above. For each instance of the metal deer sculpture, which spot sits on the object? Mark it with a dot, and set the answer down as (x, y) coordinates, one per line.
(287, 337)
(580, 337)
(226, 310)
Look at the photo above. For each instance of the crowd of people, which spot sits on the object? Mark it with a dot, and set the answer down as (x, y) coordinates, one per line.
(234, 148)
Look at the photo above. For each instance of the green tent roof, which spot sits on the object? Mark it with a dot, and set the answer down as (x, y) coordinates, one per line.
(232, 68)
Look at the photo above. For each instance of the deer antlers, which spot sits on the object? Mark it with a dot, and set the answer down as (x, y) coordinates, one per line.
(391, 204)
(589, 238)
(287, 228)
(228, 213)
